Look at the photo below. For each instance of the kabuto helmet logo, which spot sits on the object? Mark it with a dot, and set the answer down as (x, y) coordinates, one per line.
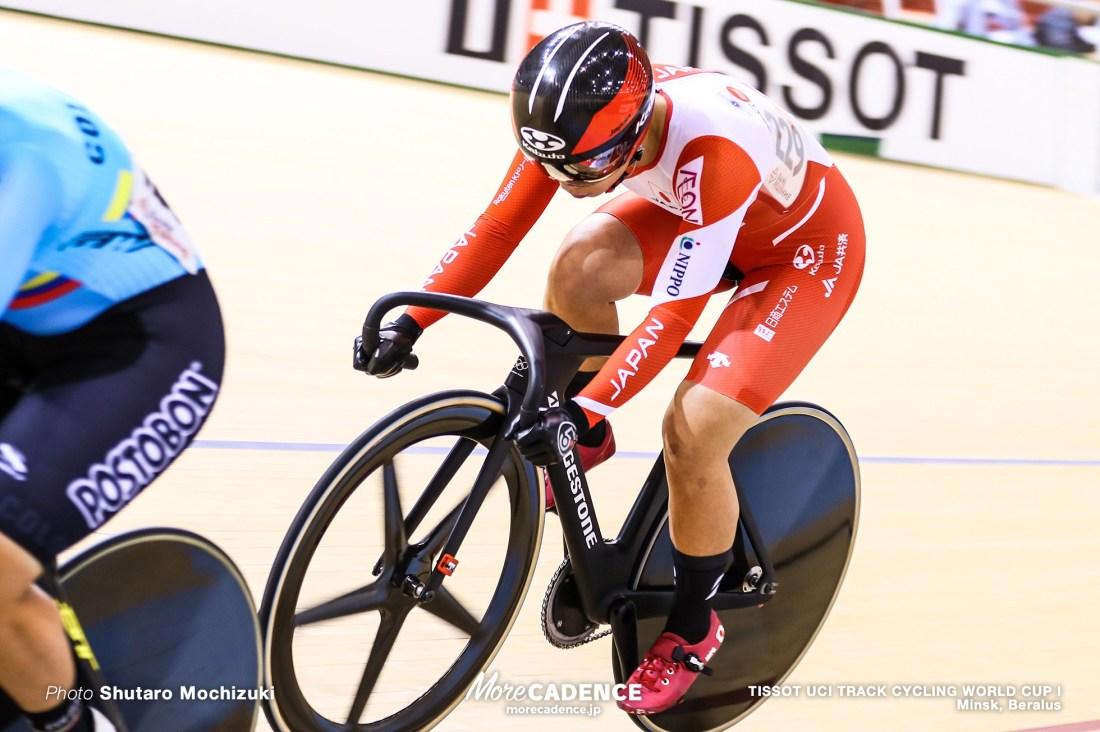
(541, 144)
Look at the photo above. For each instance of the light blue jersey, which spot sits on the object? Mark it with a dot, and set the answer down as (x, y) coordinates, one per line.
(81, 227)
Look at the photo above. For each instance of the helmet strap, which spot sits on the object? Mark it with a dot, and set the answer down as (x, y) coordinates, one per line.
(624, 176)
(636, 158)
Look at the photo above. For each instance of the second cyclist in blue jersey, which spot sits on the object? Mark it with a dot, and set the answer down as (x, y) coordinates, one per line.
(111, 356)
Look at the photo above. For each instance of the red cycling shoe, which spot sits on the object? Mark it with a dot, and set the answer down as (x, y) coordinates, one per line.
(669, 669)
(590, 457)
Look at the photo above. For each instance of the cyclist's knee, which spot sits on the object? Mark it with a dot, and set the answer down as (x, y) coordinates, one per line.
(700, 428)
(599, 260)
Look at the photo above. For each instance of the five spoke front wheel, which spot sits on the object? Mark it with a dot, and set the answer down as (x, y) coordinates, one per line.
(354, 640)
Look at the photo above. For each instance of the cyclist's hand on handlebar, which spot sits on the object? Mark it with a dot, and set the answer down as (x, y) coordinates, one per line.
(394, 349)
(553, 434)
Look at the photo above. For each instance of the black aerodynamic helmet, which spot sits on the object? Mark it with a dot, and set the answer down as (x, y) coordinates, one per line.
(581, 99)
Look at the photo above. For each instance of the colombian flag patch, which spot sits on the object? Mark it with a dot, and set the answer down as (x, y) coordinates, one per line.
(42, 289)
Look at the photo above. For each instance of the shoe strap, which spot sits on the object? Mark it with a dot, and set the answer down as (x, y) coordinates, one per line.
(691, 661)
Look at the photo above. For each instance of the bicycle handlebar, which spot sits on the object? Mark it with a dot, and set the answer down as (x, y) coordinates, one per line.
(519, 323)
(524, 325)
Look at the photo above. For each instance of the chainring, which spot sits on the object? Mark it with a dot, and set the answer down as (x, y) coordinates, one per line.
(564, 624)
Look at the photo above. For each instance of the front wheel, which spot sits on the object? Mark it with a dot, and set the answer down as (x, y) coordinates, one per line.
(341, 592)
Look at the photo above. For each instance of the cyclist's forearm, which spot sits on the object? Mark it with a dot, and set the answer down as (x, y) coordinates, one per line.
(469, 265)
(475, 258)
(640, 357)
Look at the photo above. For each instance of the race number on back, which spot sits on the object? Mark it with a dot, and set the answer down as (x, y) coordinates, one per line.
(784, 181)
(148, 207)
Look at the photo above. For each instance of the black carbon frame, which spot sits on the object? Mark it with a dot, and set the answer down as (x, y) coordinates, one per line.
(551, 352)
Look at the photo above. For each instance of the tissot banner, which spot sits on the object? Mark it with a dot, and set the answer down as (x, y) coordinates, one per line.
(917, 94)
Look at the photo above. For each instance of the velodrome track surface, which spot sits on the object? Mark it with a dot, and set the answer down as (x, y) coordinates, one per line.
(965, 371)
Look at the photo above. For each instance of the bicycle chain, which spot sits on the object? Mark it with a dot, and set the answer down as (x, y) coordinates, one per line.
(593, 635)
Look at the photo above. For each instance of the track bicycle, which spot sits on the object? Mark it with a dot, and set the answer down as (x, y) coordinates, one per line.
(395, 569)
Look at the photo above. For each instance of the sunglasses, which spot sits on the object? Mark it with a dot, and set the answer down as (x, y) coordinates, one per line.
(592, 170)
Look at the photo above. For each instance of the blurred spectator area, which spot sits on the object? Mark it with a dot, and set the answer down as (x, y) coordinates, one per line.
(1069, 25)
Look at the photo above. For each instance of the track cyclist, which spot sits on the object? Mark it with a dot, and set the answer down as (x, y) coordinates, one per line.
(111, 355)
(723, 190)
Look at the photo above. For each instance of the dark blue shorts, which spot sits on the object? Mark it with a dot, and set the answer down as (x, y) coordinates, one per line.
(89, 418)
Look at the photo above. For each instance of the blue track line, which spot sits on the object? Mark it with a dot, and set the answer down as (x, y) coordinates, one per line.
(641, 455)
(1027, 462)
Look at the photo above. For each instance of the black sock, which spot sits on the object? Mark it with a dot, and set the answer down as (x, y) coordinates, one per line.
(594, 436)
(697, 581)
(68, 716)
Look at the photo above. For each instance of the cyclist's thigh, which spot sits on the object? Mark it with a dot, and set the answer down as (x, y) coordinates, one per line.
(112, 405)
(782, 313)
(653, 228)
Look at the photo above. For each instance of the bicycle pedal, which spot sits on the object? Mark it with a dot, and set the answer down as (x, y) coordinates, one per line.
(752, 579)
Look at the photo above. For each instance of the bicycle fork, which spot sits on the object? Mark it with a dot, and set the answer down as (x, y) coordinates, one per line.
(490, 471)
